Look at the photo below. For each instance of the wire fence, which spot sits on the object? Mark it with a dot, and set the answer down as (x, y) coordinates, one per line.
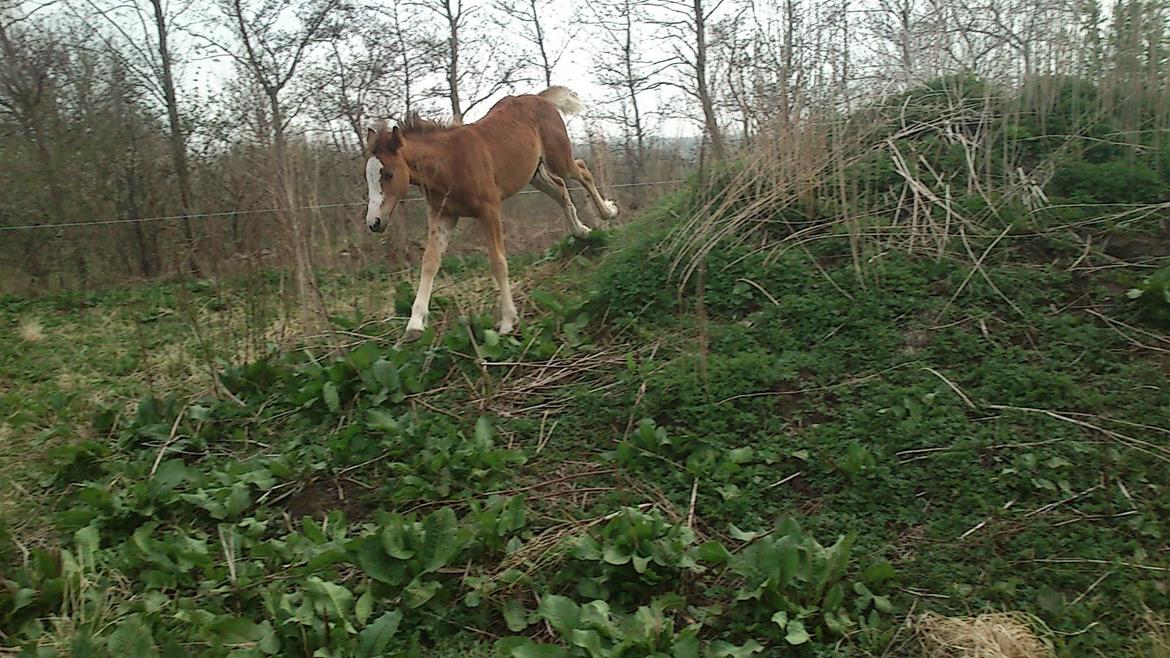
(236, 213)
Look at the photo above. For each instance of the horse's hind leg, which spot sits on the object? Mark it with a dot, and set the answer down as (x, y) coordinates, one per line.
(494, 230)
(579, 172)
(554, 186)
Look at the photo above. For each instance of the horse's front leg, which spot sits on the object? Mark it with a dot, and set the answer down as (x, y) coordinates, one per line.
(494, 230)
(439, 227)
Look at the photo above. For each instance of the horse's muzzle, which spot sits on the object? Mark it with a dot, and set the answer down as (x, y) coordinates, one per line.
(376, 226)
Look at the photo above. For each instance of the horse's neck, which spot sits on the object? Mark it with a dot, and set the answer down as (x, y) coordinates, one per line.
(424, 158)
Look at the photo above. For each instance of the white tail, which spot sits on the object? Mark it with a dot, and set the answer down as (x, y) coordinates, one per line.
(565, 99)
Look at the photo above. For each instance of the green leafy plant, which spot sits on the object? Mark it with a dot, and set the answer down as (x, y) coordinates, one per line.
(1154, 295)
(432, 466)
(634, 553)
(800, 584)
(405, 554)
(857, 461)
(595, 631)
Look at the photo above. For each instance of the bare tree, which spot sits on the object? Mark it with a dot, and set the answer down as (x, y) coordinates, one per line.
(779, 72)
(27, 102)
(273, 56)
(733, 65)
(1139, 66)
(177, 138)
(686, 25)
(898, 30)
(475, 68)
(63, 106)
(623, 67)
(355, 82)
(419, 52)
(147, 52)
(545, 36)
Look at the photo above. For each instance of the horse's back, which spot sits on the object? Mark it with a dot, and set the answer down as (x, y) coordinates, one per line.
(543, 115)
(520, 131)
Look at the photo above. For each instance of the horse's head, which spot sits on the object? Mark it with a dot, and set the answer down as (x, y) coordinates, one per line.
(386, 175)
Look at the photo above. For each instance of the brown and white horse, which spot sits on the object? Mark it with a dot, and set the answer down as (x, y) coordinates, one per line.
(469, 170)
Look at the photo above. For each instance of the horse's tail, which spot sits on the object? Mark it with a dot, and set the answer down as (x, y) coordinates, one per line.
(563, 98)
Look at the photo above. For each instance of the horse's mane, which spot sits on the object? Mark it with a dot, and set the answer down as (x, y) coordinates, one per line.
(413, 124)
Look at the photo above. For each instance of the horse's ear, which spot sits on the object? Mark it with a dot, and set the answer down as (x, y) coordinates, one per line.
(371, 136)
(395, 139)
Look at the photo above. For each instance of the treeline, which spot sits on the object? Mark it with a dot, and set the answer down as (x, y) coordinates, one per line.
(103, 120)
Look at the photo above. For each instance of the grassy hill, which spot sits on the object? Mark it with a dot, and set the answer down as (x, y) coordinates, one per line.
(728, 428)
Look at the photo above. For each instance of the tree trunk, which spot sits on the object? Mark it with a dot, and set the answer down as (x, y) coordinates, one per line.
(786, 69)
(636, 170)
(453, 66)
(710, 120)
(905, 42)
(407, 74)
(177, 142)
(540, 45)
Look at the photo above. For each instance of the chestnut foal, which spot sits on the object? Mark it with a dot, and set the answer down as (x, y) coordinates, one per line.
(469, 170)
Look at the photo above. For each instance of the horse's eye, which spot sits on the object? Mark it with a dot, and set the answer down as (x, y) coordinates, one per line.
(387, 175)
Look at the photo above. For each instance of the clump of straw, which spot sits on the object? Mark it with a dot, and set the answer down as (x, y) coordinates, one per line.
(31, 331)
(993, 635)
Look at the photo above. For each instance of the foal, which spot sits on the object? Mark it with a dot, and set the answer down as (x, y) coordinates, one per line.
(468, 171)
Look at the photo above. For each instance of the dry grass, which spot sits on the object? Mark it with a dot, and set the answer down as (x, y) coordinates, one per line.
(31, 331)
(992, 635)
(1156, 642)
(773, 184)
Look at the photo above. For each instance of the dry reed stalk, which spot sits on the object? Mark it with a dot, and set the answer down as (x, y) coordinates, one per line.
(810, 162)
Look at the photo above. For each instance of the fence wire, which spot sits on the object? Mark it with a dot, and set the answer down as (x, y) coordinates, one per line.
(236, 213)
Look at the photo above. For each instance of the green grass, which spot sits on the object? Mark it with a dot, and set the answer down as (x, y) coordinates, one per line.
(1005, 451)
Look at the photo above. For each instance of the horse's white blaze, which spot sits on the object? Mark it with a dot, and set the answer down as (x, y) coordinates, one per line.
(611, 209)
(374, 180)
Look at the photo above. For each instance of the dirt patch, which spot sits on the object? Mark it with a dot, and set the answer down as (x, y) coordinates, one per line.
(1136, 246)
(320, 497)
(31, 331)
(813, 417)
(1040, 251)
(915, 340)
(787, 404)
(802, 487)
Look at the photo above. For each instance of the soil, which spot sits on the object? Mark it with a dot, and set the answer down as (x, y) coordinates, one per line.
(321, 496)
